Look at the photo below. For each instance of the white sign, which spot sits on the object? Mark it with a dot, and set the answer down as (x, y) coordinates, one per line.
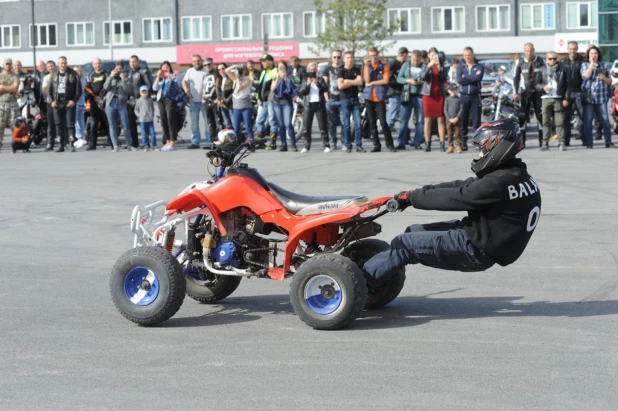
(583, 39)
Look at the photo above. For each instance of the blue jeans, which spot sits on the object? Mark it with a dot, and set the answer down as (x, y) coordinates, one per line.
(194, 110)
(601, 112)
(333, 113)
(115, 111)
(246, 116)
(80, 122)
(394, 102)
(405, 113)
(266, 110)
(148, 129)
(443, 245)
(351, 105)
(284, 117)
(227, 118)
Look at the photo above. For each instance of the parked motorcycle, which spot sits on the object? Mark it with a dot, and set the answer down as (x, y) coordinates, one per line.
(238, 225)
(36, 119)
(298, 108)
(504, 106)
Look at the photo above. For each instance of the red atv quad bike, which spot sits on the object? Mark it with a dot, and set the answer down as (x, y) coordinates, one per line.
(239, 225)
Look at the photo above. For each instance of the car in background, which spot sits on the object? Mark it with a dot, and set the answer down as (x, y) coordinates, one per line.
(614, 72)
(491, 74)
(108, 66)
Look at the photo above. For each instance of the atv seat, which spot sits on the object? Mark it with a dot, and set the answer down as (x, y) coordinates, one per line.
(301, 205)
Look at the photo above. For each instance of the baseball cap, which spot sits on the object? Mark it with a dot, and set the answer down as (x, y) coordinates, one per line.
(453, 86)
(8, 61)
(143, 88)
(267, 57)
(208, 60)
(403, 50)
(17, 120)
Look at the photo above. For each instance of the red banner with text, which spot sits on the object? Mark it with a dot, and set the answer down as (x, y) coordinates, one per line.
(236, 52)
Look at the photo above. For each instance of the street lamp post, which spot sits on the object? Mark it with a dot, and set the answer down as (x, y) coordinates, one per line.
(109, 25)
(34, 38)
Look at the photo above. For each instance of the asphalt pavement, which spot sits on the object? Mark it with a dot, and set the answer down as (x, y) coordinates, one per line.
(539, 334)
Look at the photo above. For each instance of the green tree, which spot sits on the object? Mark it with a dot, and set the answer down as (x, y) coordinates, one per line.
(352, 25)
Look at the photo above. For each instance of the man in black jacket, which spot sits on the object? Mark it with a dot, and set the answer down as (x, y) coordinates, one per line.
(572, 68)
(65, 89)
(524, 81)
(552, 86)
(503, 204)
(135, 79)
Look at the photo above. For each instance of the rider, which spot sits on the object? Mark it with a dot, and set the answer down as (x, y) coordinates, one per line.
(503, 204)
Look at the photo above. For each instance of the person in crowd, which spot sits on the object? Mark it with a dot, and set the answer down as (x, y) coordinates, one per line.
(524, 83)
(296, 71)
(20, 138)
(9, 109)
(552, 87)
(193, 84)
(265, 106)
(51, 121)
(596, 81)
(425, 56)
(93, 91)
(500, 76)
(80, 112)
(469, 77)
(63, 93)
(283, 90)
(252, 71)
(333, 103)
(26, 81)
(571, 65)
(452, 73)
(167, 106)
(453, 111)
(242, 108)
(434, 78)
(225, 88)
(136, 78)
(41, 71)
(313, 90)
(116, 107)
(209, 96)
(410, 77)
(394, 87)
(144, 110)
(349, 81)
(376, 76)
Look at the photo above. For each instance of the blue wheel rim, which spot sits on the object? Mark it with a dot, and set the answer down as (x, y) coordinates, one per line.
(323, 294)
(134, 282)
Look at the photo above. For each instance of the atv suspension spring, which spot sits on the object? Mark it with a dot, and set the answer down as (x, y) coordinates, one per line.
(169, 241)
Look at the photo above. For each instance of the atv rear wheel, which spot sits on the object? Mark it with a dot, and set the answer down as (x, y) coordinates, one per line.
(215, 288)
(328, 292)
(147, 285)
(360, 252)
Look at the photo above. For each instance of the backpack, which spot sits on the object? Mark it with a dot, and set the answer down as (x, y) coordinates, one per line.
(172, 91)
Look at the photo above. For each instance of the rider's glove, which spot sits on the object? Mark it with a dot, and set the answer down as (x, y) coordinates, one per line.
(403, 199)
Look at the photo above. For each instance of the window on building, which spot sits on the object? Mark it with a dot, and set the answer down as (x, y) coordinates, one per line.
(80, 34)
(313, 23)
(157, 30)
(408, 20)
(277, 25)
(235, 27)
(196, 28)
(538, 16)
(447, 19)
(122, 33)
(582, 15)
(10, 37)
(44, 35)
(493, 18)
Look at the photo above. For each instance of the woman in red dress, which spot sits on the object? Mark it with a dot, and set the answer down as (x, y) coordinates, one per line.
(434, 79)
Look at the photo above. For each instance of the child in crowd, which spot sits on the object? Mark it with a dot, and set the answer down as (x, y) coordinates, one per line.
(21, 139)
(453, 110)
(144, 111)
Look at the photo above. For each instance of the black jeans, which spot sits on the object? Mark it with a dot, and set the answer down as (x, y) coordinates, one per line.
(528, 100)
(133, 124)
(444, 245)
(51, 123)
(377, 111)
(471, 111)
(575, 106)
(16, 145)
(211, 120)
(168, 115)
(98, 120)
(318, 110)
(65, 122)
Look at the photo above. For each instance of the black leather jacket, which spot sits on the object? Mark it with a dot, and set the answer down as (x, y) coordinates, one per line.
(522, 69)
(561, 80)
(573, 73)
(305, 90)
(134, 80)
(73, 90)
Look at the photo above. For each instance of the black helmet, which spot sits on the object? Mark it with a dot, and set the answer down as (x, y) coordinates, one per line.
(499, 141)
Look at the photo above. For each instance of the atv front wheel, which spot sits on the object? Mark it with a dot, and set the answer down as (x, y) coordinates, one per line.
(360, 252)
(328, 292)
(147, 285)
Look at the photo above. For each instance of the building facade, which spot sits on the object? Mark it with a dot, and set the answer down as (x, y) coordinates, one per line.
(158, 30)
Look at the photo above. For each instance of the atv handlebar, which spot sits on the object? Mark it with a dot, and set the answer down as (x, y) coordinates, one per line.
(218, 152)
(392, 205)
